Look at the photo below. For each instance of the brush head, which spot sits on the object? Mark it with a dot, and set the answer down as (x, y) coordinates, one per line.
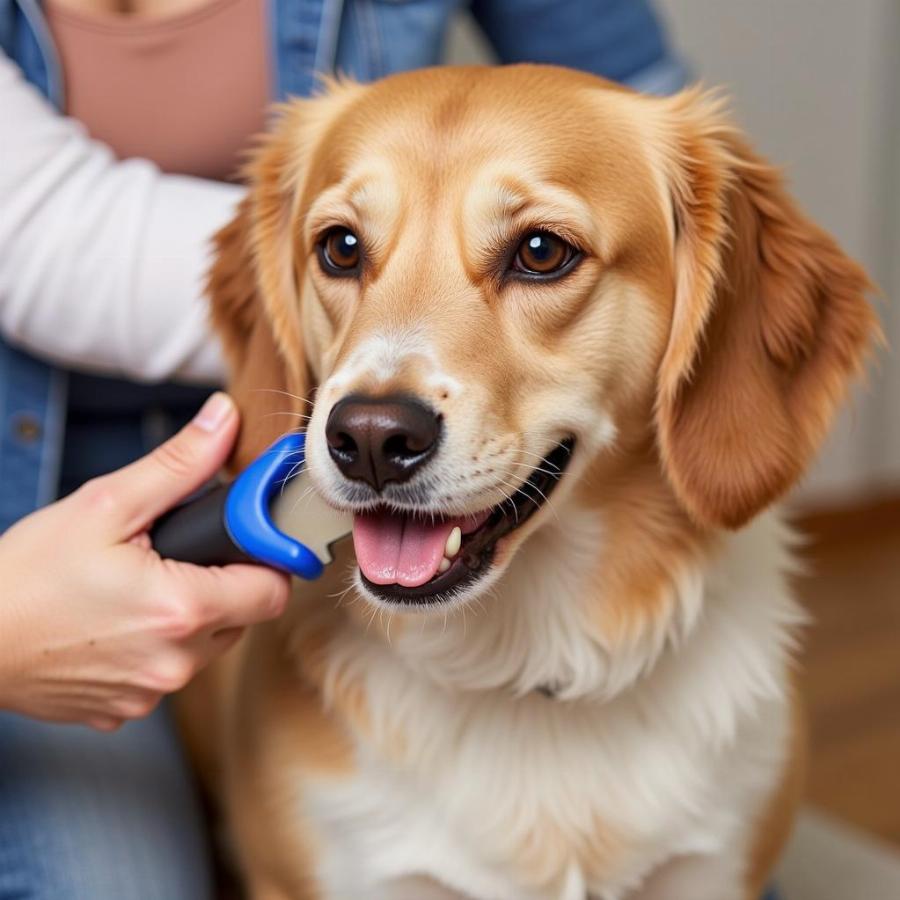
(299, 511)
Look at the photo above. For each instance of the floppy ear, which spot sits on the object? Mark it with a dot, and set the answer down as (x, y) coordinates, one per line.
(769, 326)
(254, 279)
(258, 368)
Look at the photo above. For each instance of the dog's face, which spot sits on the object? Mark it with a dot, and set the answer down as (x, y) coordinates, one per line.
(494, 279)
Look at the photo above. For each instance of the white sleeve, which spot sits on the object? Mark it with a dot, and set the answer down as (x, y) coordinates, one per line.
(102, 262)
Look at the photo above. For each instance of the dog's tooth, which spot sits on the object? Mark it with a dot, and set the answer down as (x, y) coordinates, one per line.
(454, 542)
(445, 564)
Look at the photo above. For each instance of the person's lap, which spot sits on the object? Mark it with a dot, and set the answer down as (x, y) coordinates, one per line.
(90, 816)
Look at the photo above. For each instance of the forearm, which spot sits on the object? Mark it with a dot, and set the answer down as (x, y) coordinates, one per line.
(102, 262)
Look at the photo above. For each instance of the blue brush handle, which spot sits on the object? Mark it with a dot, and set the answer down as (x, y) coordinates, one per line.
(233, 523)
(247, 510)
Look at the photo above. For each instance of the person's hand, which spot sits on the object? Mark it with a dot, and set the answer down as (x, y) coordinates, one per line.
(94, 626)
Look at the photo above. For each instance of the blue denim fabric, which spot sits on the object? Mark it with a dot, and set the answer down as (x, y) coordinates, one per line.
(31, 395)
(89, 816)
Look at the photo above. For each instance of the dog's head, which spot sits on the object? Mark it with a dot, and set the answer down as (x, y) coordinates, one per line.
(476, 283)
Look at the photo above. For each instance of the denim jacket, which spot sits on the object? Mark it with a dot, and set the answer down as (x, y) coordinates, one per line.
(619, 39)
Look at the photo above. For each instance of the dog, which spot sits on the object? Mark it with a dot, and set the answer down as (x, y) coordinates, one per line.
(558, 346)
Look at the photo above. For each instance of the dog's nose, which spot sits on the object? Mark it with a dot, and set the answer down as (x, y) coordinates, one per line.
(381, 439)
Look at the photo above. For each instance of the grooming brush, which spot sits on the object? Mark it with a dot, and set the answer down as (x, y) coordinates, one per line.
(269, 514)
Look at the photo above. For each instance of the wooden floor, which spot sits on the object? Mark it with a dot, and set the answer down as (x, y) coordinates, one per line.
(852, 665)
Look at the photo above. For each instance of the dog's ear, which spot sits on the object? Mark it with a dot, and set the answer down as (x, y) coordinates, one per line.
(770, 323)
(257, 269)
(259, 370)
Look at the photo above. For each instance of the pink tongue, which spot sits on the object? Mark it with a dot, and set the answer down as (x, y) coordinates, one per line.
(398, 549)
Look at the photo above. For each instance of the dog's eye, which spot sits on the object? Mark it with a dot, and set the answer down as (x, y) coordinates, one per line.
(339, 251)
(542, 253)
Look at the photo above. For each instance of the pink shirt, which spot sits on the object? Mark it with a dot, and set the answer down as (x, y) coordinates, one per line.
(186, 91)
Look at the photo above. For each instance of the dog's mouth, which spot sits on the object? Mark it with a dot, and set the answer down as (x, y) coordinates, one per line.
(420, 559)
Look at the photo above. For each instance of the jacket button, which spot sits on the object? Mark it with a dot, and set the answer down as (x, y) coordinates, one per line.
(27, 428)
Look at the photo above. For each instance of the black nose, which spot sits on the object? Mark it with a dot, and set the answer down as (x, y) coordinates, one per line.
(381, 439)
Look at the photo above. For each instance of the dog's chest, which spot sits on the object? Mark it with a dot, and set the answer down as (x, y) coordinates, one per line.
(544, 801)
(533, 798)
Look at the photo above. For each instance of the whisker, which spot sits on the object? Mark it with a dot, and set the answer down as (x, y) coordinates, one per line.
(555, 473)
(284, 412)
(547, 502)
(525, 452)
(536, 456)
(283, 394)
(339, 597)
(541, 436)
(302, 497)
(541, 493)
(508, 498)
(293, 471)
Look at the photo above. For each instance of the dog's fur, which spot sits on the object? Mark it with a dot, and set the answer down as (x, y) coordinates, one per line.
(697, 353)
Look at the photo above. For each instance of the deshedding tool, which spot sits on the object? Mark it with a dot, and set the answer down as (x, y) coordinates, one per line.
(269, 514)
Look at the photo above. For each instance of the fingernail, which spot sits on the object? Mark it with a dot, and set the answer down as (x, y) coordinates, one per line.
(214, 412)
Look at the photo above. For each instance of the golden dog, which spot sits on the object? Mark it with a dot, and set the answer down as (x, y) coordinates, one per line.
(557, 345)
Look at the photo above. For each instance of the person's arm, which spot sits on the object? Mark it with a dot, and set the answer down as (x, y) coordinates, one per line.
(622, 40)
(94, 626)
(102, 262)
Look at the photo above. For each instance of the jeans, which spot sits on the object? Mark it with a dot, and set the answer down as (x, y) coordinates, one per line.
(91, 816)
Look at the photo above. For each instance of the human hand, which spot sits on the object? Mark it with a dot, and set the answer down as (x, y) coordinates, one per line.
(94, 626)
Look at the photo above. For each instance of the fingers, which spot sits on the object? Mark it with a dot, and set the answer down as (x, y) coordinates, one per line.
(208, 646)
(193, 600)
(170, 671)
(246, 595)
(106, 711)
(131, 703)
(104, 723)
(130, 499)
(224, 639)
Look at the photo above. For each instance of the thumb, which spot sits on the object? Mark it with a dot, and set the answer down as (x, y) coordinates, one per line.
(149, 487)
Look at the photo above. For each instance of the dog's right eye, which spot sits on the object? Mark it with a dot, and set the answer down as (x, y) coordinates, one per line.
(339, 252)
(543, 256)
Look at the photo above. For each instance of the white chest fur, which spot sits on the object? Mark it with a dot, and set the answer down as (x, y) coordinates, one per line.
(470, 777)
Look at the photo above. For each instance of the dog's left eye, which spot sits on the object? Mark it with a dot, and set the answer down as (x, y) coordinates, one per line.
(339, 251)
(542, 253)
